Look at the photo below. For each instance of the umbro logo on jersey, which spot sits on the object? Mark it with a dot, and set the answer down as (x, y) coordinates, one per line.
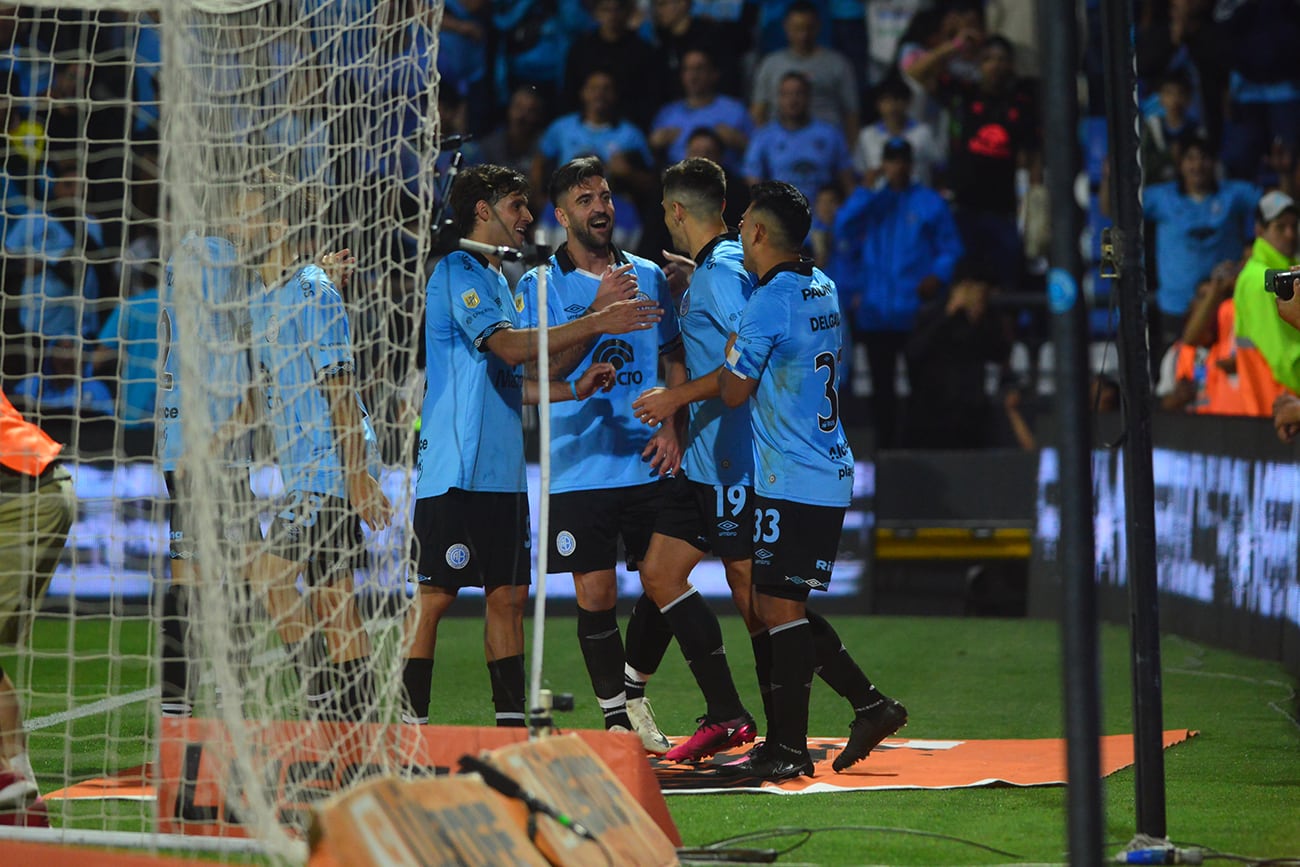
(728, 528)
(575, 310)
(763, 554)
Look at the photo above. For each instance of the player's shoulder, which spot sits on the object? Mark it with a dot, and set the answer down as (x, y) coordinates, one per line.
(642, 264)
(459, 266)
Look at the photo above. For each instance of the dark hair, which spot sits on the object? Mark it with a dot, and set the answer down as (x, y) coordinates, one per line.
(709, 133)
(787, 206)
(807, 82)
(701, 183)
(804, 6)
(486, 183)
(1175, 77)
(1193, 140)
(974, 268)
(573, 173)
(999, 41)
(894, 86)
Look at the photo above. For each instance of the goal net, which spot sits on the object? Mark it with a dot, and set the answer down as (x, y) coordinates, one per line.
(182, 180)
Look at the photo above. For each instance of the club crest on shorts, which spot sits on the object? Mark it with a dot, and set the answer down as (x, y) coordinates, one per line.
(470, 298)
(457, 556)
(565, 543)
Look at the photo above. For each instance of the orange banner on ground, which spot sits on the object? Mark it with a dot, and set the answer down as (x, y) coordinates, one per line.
(913, 764)
(308, 762)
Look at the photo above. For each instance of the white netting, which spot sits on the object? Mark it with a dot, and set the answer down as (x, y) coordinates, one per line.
(241, 141)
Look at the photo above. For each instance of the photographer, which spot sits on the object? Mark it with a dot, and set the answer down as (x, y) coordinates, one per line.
(1286, 409)
(1268, 348)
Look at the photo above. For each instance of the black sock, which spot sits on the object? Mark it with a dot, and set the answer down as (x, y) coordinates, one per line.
(837, 668)
(602, 649)
(177, 698)
(648, 637)
(696, 629)
(507, 676)
(417, 677)
(792, 674)
(762, 644)
(354, 691)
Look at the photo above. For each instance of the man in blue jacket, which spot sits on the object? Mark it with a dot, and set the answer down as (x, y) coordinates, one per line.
(907, 246)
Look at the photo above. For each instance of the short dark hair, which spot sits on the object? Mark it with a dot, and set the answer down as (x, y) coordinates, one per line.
(573, 173)
(701, 185)
(798, 76)
(802, 6)
(486, 183)
(894, 86)
(787, 206)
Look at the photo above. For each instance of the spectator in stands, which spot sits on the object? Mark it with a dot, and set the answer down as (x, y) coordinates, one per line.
(463, 51)
(1259, 328)
(1260, 39)
(37, 508)
(677, 31)
(535, 34)
(944, 43)
(1180, 37)
(736, 22)
(994, 132)
(893, 98)
(953, 340)
(1199, 222)
(66, 385)
(619, 50)
(796, 147)
(702, 106)
(514, 143)
(1164, 130)
(906, 249)
(834, 88)
(1017, 22)
(598, 130)
(887, 21)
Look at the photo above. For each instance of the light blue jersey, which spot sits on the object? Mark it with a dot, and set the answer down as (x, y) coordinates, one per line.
(217, 350)
(471, 433)
(597, 443)
(789, 340)
(300, 338)
(719, 447)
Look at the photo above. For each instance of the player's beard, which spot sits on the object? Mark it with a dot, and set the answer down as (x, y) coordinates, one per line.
(591, 238)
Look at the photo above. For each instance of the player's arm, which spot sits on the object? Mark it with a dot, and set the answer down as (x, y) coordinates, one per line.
(616, 284)
(733, 386)
(598, 377)
(364, 492)
(517, 346)
(664, 450)
(656, 405)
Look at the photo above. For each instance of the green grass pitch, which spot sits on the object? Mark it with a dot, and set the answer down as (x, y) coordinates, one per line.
(1236, 788)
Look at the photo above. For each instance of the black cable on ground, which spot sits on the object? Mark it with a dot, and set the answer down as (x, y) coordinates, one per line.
(808, 833)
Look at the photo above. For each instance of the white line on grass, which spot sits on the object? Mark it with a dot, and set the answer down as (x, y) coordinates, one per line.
(104, 705)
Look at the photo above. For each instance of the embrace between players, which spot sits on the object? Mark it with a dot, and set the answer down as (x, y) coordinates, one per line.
(741, 454)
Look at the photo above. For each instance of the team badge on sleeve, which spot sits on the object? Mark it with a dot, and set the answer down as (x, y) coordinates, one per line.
(519, 303)
(470, 298)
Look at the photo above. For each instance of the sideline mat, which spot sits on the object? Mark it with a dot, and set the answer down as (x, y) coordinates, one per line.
(901, 763)
(898, 763)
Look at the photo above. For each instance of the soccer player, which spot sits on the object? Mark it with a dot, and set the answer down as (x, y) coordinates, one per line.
(706, 508)
(783, 361)
(324, 444)
(605, 465)
(693, 208)
(37, 506)
(471, 512)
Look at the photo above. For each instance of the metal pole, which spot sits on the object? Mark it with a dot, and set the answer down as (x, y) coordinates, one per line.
(1119, 62)
(1059, 40)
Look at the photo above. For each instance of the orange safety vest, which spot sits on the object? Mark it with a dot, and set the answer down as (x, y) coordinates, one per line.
(24, 448)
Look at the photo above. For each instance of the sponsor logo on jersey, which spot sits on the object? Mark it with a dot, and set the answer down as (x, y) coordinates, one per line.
(565, 543)
(457, 556)
(470, 298)
(619, 354)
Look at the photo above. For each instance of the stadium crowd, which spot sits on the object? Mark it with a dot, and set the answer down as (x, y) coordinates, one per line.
(912, 126)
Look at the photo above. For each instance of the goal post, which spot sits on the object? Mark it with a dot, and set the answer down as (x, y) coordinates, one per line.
(176, 173)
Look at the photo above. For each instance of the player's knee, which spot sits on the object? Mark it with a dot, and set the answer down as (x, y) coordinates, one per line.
(596, 591)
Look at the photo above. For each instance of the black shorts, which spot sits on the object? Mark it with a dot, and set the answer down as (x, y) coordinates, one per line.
(472, 539)
(586, 526)
(236, 512)
(794, 547)
(717, 518)
(319, 531)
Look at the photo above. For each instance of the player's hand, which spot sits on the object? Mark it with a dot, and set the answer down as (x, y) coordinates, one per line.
(664, 451)
(598, 377)
(338, 266)
(368, 499)
(616, 284)
(634, 314)
(678, 269)
(655, 406)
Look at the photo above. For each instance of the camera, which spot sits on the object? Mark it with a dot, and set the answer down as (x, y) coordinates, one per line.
(1281, 283)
